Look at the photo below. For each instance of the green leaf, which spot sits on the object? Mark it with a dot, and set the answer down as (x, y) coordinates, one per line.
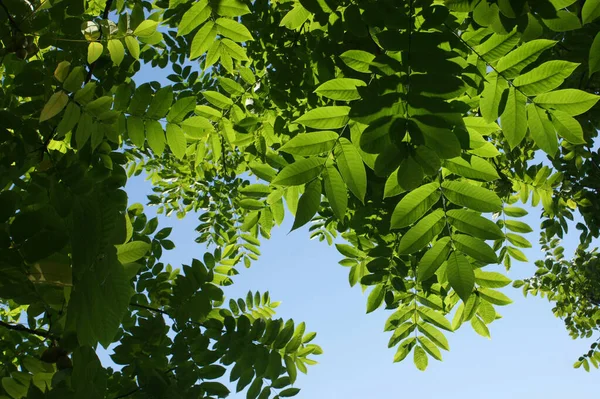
(331, 117)
(442, 140)
(491, 279)
(215, 388)
(348, 251)
(404, 349)
(516, 254)
(409, 174)
(567, 127)
(196, 126)
(490, 97)
(414, 205)
(494, 297)
(420, 358)
(514, 211)
(460, 275)
(392, 188)
(470, 196)
(351, 167)
(233, 30)
(519, 227)
(204, 38)
(518, 241)
(289, 392)
(433, 258)
(230, 86)
(161, 103)
(251, 204)
(133, 46)
(343, 89)
(69, 120)
(135, 131)
(193, 17)
(232, 8)
(472, 167)
(358, 60)
(479, 125)
(497, 46)
(146, 28)
(375, 298)
(56, 103)
(594, 57)
(300, 172)
(155, 136)
(62, 70)
(422, 233)
(434, 335)
(116, 50)
(513, 119)
(474, 224)
(75, 79)
(512, 64)
(590, 11)
(132, 251)
(84, 129)
(430, 347)
(308, 205)
(234, 50)
(180, 109)
(315, 143)
(176, 140)
(544, 78)
(434, 317)
(571, 101)
(541, 129)
(480, 327)
(217, 99)
(475, 248)
(295, 17)
(95, 50)
(335, 191)
(563, 22)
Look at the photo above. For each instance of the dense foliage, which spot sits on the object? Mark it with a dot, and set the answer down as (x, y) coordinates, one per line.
(411, 129)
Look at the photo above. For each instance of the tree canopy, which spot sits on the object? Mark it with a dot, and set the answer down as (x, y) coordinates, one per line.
(411, 130)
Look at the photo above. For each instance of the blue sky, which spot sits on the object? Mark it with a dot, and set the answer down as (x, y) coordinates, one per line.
(530, 354)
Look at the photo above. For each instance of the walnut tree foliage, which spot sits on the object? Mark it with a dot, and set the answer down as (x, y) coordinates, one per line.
(410, 129)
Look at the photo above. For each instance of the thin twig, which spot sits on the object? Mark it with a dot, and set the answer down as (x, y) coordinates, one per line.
(137, 305)
(487, 63)
(22, 328)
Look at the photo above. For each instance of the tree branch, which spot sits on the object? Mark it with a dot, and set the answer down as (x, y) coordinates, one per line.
(22, 328)
(10, 17)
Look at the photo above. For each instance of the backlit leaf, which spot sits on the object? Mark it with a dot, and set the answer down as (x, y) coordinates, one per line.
(351, 167)
(311, 143)
(56, 103)
(414, 205)
(335, 191)
(470, 196)
(300, 172)
(309, 204)
(460, 275)
(332, 117)
(343, 89)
